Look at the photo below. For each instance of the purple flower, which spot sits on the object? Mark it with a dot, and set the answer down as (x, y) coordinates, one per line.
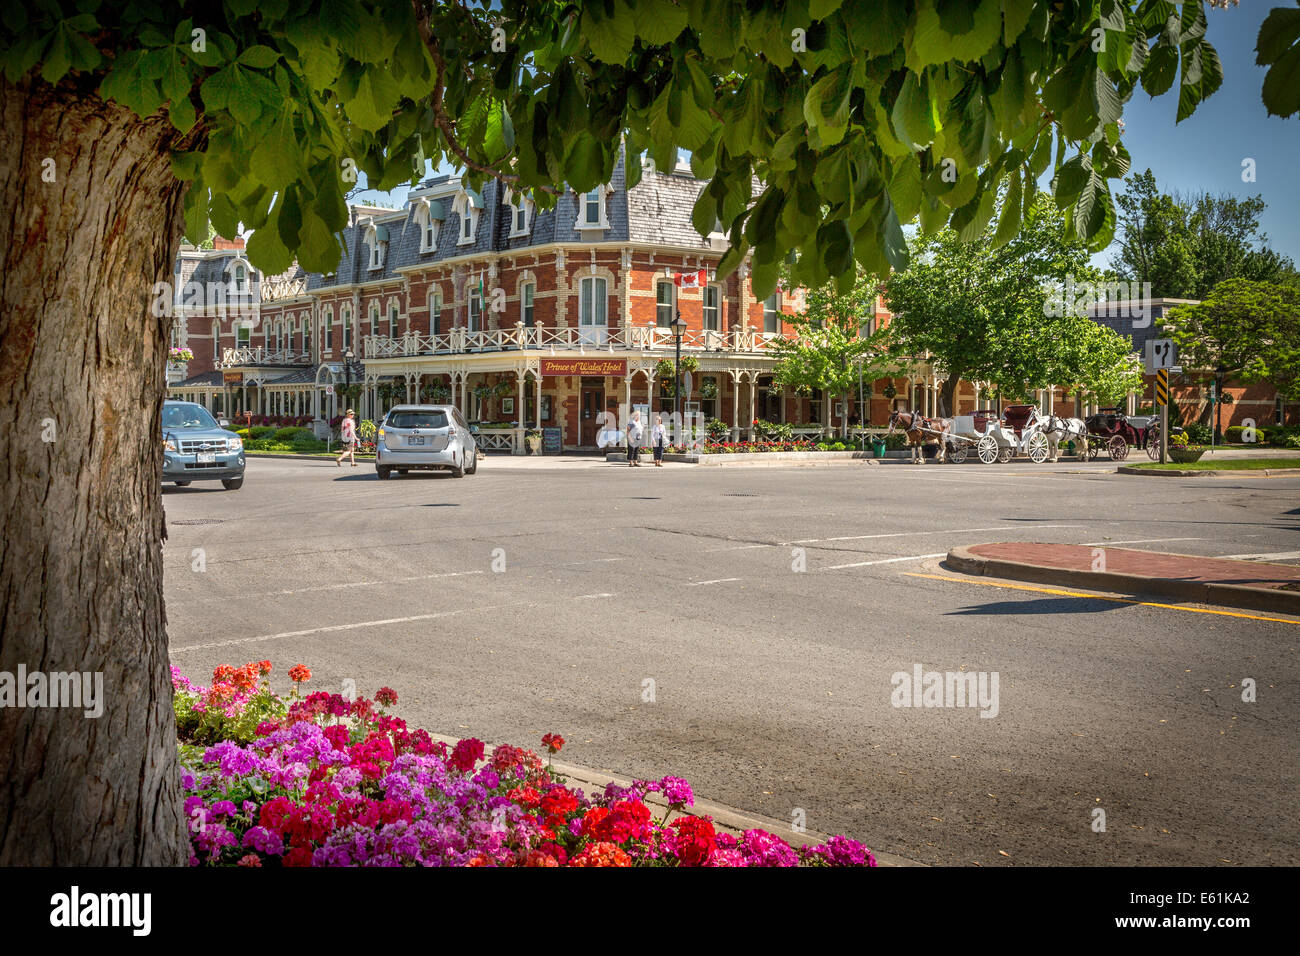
(264, 841)
(677, 792)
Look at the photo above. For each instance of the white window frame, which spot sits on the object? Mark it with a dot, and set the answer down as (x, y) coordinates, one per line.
(593, 309)
(468, 212)
(716, 292)
(660, 305)
(429, 227)
(393, 317)
(775, 298)
(521, 215)
(376, 247)
(583, 222)
(528, 303)
(327, 330)
(306, 333)
(435, 311)
(474, 309)
(345, 319)
(245, 332)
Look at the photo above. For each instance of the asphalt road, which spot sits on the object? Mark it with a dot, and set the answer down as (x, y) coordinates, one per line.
(659, 620)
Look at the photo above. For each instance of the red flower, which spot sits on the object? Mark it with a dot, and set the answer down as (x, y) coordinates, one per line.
(601, 854)
(696, 840)
(386, 696)
(299, 673)
(466, 753)
(264, 666)
(553, 742)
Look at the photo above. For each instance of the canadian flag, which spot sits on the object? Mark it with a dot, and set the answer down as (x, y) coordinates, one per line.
(690, 280)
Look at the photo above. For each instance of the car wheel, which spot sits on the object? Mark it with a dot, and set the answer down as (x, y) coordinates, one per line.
(182, 484)
(383, 471)
(403, 471)
(232, 484)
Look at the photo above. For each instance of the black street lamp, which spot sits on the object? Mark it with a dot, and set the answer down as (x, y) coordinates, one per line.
(678, 328)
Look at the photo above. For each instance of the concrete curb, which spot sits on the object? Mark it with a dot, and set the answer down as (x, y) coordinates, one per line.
(724, 817)
(1205, 472)
(1198, 592)
(761, 458)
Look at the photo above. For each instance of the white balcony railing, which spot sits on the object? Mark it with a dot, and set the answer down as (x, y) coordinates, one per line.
(581, 339)
(263, 356)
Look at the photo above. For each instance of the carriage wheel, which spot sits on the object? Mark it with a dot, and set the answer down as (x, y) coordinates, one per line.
(1153, 444)
(1117, 447)
(1004, 453)
(987, 449)
(1094, 448)
(1038, 449)
(957, 454)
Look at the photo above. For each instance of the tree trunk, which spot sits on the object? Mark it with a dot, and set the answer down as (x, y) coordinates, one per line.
(81, 381)
(948, 395)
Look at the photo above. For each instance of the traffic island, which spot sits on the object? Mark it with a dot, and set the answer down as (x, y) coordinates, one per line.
(1184, 577)
(1265, 467)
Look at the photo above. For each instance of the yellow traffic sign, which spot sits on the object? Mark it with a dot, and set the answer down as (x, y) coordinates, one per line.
(1162, 386)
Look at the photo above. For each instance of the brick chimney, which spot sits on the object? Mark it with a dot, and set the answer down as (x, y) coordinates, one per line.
(220, 243)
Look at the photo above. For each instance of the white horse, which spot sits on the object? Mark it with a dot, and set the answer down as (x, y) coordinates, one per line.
(1058, 430)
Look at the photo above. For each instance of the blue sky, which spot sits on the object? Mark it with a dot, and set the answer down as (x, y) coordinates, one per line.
(1205, 151)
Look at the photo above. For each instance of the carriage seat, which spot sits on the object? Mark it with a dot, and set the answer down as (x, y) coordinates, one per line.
(1018, 417)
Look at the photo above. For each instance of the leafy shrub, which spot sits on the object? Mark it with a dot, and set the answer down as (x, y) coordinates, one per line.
(292, 433)
(1199, 433)
(1233, 433)
(261, 431)
(717, 430)
(896, 441)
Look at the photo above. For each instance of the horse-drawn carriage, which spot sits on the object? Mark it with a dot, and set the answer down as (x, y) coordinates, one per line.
(1112, 429)
(1019, 431)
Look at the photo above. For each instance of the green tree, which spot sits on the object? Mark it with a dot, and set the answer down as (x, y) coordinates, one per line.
(1186, 245)
(980, 309)
(132, 123)
(833, 348)
(1249, 329)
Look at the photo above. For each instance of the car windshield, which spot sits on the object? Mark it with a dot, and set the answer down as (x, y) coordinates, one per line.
(187, 416)
(418, 419)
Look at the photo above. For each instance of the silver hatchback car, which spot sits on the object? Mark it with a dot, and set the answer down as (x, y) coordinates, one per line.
(428, 437)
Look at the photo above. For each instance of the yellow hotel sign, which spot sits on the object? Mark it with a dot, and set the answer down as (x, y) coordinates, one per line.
(583, 366)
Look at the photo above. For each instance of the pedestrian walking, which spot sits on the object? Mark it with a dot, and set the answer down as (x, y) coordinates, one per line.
(634, 432)
(348, 436)
(658, 439)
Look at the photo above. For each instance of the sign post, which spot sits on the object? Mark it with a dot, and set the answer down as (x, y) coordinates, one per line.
(1162, 399)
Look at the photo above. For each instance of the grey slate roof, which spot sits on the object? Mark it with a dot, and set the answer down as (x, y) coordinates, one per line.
(210, 271)
(657, 210)
(203, 378)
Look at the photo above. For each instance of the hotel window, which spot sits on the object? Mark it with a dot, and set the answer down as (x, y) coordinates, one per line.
(288, 335)
(306, 333)
(815, 408)
(374, 319)
(327, 338)
(216, 342)
(475, 309)
(392, 320)
(345, 317)
(772, 314)
(594, 301)
(435, 312)
(665, 300)
(240, 276)
(519, 216)
(526, 303)
(712, 310)
(428, 220)
(241, 337)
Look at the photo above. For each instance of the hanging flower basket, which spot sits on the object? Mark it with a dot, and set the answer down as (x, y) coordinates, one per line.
(890, 391)
(664, 370)
(709, 389)
(179, 356)
(690, 364)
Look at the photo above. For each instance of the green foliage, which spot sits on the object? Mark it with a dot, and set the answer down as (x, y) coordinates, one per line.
(717, 430)
(1250, 329)
(852, 122)
(833, 348)
(1186, 245)
(198, 722)
(981, 310)
(292, 434)
(366, 430)
(261, 431)
(773, 431)
(1196, 432)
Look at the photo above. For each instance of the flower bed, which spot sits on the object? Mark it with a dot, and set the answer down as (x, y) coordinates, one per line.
(328, 781)
(754, 447)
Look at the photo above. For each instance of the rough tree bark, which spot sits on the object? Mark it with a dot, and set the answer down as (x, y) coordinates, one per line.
(948, 395)
(82, 363)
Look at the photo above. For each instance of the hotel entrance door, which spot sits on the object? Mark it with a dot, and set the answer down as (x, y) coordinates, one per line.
(591, 404)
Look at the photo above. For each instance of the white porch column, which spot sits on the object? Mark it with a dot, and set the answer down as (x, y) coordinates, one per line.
(735, 407)
(537, 387)
(753, 390)
(519, 410)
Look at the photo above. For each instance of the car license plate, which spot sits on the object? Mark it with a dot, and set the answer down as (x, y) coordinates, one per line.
(207, 457)
(415, 440)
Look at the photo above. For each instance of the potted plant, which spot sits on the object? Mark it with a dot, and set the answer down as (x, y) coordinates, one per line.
(533, 441)
(664, 370)
(690, 364)
(709, 388)
(1183, 451)
(890, 391)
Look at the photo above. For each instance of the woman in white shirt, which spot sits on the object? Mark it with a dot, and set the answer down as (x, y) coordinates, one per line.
(634, 431)
(659, 438)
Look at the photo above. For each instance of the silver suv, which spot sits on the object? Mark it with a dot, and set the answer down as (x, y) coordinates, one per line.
(425, 437)
(197, 448)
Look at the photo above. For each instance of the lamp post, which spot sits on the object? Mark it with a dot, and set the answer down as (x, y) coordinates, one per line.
(347, 372)
(678, 328)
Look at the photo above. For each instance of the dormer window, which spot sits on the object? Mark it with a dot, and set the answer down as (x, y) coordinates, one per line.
(467, 204)
(429, 216)
(521, 215)
(591, 210)
(241, 276)
(376, 239)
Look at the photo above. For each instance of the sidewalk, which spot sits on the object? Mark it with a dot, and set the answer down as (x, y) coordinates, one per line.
(724, 818)
(1186, 577)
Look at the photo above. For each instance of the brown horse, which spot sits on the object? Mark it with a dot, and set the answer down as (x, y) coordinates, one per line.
(921, 431)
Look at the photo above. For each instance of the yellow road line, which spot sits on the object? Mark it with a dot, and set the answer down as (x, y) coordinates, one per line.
(1098, 597)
